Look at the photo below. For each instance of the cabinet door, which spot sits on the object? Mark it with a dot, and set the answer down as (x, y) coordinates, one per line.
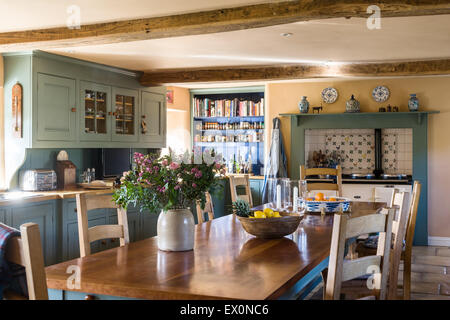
(43, 215)
(153, 118)
(125, 115)
(149, 224)
(95, 104)
(56, 108)
(2, 216)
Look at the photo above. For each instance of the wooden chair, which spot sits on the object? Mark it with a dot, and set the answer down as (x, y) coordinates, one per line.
(340, 270)
(241, 180)
(26, 251)
(323, 171)
(88, 235)
(407, 253)
(209, 208)
(401, 204)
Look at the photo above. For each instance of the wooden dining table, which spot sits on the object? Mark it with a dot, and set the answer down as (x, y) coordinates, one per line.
(226, 263)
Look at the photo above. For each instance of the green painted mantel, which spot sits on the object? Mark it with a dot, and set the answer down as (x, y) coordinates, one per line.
(418, 121)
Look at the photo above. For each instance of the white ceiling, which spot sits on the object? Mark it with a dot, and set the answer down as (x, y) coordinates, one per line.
(338, 40)
(341, 40)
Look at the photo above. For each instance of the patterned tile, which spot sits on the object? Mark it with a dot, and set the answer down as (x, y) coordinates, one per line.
(356, 151)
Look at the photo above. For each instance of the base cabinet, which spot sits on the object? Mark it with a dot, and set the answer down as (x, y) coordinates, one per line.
(43, 214)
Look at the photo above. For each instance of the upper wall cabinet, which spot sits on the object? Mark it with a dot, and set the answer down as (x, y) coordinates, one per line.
(153, 118)
(56, 108)
(69, 103)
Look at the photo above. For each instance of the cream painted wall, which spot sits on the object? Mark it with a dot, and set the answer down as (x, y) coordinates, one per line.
(178, 119)
(433, 94)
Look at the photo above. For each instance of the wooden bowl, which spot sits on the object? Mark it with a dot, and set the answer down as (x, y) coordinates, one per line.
(271, 228)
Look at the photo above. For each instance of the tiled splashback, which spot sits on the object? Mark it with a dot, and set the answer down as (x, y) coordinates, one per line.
(356, 148)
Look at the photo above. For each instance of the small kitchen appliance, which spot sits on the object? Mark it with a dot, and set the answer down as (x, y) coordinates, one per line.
(37, 180)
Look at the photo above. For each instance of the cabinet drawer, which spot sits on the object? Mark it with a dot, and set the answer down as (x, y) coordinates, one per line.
(358, 192)
(70, 211)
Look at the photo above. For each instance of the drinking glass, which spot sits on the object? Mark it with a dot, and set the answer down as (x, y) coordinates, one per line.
(272, 191)
(286, 193)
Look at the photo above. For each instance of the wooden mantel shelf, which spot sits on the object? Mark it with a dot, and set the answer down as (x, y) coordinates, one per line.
(356, 114)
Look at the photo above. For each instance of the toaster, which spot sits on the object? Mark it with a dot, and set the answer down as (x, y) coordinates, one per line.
(37, 180)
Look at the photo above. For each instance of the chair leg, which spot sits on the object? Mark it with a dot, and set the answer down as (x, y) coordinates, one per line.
(407, 277)
(324, 275)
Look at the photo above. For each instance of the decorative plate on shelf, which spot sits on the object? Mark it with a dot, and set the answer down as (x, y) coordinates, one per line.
(380, 94)
(329, 95)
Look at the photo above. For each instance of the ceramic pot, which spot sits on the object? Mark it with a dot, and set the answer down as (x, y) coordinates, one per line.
(413, 103)
(303, 105)
(175, 230)
(352, 105)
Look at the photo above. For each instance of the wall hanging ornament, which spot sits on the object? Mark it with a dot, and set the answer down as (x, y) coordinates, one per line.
(17, 110)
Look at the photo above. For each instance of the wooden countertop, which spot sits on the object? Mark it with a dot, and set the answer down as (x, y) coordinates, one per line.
(38, 196)
(226, 263)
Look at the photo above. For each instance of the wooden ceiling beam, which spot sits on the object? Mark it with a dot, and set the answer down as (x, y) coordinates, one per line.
(303, 71)
(213, 21)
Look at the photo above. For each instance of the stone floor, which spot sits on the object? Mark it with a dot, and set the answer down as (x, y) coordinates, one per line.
(430, 277)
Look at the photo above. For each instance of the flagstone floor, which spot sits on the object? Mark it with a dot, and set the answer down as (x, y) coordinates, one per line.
(430, 277)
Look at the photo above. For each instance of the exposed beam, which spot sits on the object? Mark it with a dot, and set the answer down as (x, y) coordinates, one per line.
(303, 71)
(212, 21)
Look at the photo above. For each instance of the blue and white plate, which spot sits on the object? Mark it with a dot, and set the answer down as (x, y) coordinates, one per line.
(329, 206)
(380, 94)
(329, 95)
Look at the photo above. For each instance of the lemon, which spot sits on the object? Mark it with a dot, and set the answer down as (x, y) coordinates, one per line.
(259, 214)
(268, 210)
(276, 215)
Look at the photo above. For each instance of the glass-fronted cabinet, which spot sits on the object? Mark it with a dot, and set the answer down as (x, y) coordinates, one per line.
(96, 106)
(125, 126)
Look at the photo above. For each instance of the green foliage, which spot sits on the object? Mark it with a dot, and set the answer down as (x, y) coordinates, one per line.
(168, 182)
(241, 208)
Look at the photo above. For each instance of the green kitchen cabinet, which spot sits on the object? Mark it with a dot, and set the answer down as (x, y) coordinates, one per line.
(125, 120)
(3, 216)
(56, 117)
(43, 214)
(153, 118)
(95, 113)
(149, 223)
(70, 103)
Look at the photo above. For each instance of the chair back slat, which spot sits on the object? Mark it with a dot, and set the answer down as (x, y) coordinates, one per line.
(241, 180)
(358, 267)
(27, 252)
(209, 208)
(105, 232)
(100, 202)
(339, 271)
(304, 172)
(88, 235)
(365, 224)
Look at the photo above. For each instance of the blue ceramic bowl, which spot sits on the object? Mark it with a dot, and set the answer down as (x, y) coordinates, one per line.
(329, 206)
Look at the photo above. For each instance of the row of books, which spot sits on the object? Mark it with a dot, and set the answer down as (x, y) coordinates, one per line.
(227, 108)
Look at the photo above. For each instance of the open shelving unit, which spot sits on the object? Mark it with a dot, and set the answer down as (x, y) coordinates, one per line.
(231, 122)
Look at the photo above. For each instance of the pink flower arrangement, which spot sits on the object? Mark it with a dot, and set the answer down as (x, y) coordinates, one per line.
(167, 182)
